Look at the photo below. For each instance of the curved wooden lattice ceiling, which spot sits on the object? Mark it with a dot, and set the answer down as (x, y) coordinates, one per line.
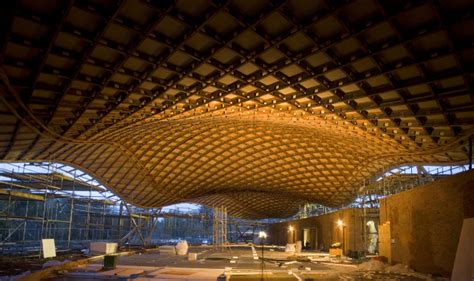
(258, 105)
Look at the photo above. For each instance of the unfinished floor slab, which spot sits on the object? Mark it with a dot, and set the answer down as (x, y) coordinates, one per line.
(236, 262)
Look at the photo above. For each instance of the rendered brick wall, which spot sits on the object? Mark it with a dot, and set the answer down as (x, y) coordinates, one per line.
(327, 230)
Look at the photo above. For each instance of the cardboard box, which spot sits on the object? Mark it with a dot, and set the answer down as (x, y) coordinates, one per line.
(335, 252)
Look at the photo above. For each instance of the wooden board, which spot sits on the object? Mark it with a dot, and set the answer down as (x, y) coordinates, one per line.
(385, 241)
(49, 248)
(463, 268)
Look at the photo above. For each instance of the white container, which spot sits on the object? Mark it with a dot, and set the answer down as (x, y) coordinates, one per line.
(192, 256)
(103, 248)
(290, 248)
(299, 246)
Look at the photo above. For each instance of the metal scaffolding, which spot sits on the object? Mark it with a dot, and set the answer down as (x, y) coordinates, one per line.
(395, 180)
(219, 226)
(241, 230)
(46, 200)
(51, 200)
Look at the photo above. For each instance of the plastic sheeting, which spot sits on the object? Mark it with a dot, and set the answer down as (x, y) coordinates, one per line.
(182, 248)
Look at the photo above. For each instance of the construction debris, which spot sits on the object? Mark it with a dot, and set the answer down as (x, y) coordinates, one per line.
(373, 267)
(54, 263)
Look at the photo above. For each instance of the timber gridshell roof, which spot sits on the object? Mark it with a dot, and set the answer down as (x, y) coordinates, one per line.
(257, 105)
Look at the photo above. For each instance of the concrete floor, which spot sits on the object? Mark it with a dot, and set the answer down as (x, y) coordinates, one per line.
(232, 263)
